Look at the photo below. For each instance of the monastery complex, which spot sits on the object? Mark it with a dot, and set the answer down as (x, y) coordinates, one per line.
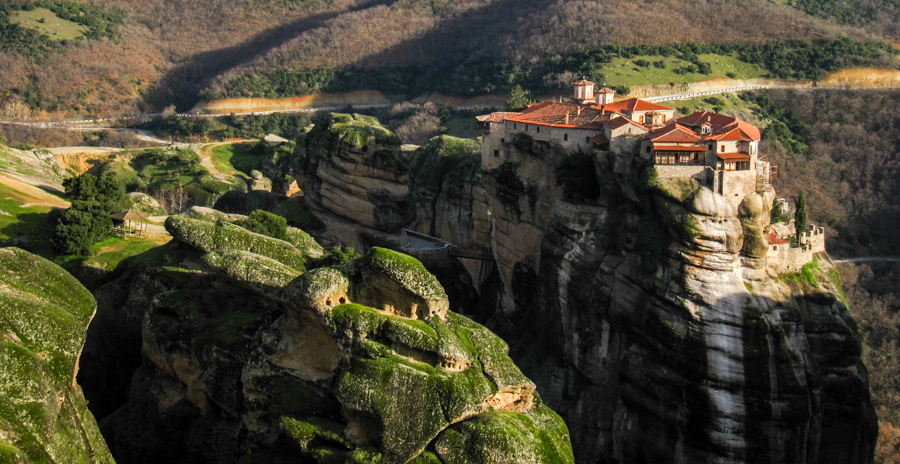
(721, 152)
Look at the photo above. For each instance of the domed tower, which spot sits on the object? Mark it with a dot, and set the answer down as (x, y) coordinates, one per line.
(605, 96)
(584, 92)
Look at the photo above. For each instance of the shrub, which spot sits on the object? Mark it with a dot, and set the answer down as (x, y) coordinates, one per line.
(337, 256)
(265, 223)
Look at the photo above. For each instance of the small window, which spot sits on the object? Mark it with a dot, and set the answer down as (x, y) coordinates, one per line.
(723, 148)
(565, 137)
(587, 140)
(709, 147)
(648, 148)
(514, 125)
(502, 140)
(496, 153)
(539, 129)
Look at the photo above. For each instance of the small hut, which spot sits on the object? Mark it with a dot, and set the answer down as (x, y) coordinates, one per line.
(130, 222)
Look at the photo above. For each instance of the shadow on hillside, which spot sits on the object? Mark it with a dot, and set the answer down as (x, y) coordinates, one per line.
(32, 232)
(476, 33)
(182, 85)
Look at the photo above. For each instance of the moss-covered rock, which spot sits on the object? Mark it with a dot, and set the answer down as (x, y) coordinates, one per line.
(44, 314)
(500, 437)
(320, 289)
(145, 204)
(266, 273)
(225, 237)
(348, 364)
(304, 242)
(398, 283)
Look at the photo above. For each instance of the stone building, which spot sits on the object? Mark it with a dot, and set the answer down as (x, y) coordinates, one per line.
(719, 151)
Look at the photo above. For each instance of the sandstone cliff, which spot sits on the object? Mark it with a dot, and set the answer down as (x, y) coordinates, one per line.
(649, 311)
(354, 176)
(259, 354)
(44, 314)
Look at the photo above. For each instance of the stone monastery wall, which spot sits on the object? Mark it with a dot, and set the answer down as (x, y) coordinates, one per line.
(785, 258)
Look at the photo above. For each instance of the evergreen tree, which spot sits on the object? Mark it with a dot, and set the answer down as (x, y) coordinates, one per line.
(518, 98)
(800, 216)
(87, 221)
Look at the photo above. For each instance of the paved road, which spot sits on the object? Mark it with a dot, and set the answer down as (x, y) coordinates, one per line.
(741, 88)
(107, 123)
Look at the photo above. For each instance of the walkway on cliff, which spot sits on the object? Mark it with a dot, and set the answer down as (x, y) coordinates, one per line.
(891, 259)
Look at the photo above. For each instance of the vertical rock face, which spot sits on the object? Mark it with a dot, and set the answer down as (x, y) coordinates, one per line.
(44, 314)
(352, 171)
(656, 333)
(652, 312)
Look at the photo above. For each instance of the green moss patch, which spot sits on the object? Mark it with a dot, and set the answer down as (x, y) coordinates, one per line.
(360, 131)
(251, 268)
(224, 237)
(44, 313)
(510, 438)
(405, 270)
(362, 321)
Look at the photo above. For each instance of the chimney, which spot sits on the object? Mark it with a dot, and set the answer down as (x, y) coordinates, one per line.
(579, 111)
(567, 117)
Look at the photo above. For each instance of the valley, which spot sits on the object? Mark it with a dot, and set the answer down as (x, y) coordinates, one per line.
(446, 232)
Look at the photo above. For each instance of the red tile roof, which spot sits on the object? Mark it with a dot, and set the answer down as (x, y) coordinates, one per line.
(723, 127)
(560, 115)
(677, 148)
(774, 239)
(633, 104)
(606, 90)
(674, 133)
(496, 117)
(584, 82)
(617, 120)
(734, 156)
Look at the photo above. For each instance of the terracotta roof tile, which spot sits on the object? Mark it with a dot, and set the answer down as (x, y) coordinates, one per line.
(633, 104)
(584, 82)
(551, 113)
(734, 156)
(678, 148)
(774, 239)
(496, 117)
(674, 133)
(722, 126)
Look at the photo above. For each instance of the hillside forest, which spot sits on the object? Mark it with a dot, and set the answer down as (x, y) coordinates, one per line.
(144, 56)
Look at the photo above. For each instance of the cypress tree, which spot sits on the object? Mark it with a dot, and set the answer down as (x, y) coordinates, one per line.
(800, 214)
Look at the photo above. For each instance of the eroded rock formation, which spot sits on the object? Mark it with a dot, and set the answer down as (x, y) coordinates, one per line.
(44, 315)
(650, 311)
(253, 356)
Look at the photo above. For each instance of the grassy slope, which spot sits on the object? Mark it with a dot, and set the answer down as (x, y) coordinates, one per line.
(622, 71)
(47, 22)
(235, 158)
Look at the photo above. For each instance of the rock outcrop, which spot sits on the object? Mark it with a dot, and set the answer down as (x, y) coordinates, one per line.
(663, 322)
(354, 176)
(44, 315)
(253, 356)
(650, 310)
